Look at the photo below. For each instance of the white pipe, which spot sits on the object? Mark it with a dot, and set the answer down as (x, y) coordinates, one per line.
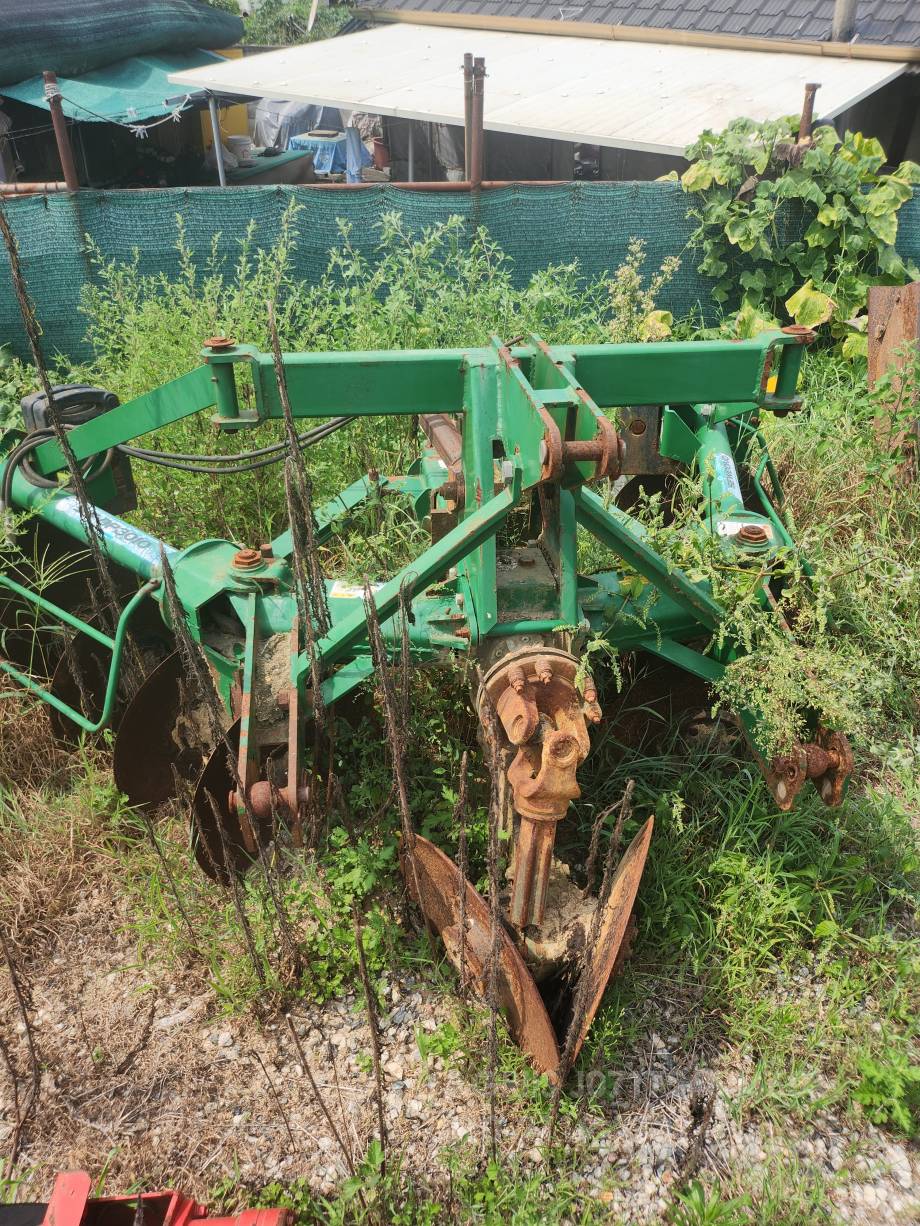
(844, 20)
(218, 144)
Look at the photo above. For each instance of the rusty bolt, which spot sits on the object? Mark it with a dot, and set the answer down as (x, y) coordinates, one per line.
(268, 554)
(516, 678)
(804, 335)
(590, 690)
(753, 534)
(218, 343)
(544, 670)
(247, 559)
(637, 426)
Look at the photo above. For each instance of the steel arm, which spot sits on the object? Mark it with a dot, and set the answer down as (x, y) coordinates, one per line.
(182, 397)
(427, 569)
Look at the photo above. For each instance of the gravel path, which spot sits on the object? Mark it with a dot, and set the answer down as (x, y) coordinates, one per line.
(143, 1075)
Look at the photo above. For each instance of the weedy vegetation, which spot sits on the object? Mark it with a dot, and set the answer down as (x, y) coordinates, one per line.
(792, 939)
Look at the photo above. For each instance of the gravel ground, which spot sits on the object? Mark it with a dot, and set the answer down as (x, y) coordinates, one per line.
(144, 1076)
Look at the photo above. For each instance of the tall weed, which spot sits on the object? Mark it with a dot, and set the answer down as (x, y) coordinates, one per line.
(442, 287)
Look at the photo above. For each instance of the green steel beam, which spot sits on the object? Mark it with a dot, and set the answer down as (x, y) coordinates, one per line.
(117, 646)
(373, 384)
(431, 566)
(685, 372)
(180, 398)
(627, 538)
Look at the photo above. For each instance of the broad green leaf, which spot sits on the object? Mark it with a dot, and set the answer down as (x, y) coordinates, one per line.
(819, 235)
(899, 189)
(697, 178)
(827, 928)
(656, 326)
(809, 306)
(755, 280)
(799, 185)
(909, 172)
(891, 264)
(760, 160)
(884, 227)
(743, 231)
(856, 345)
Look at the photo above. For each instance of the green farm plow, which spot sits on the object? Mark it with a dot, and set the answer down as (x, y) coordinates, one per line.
(522, 448)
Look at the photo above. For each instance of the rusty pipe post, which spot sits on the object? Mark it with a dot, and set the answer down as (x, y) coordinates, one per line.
(467, 112)
(477, 134)
(61, 135)
(31, 189)
(808, 110)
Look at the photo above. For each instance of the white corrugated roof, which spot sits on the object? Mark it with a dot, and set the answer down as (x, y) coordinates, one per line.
(648, 96)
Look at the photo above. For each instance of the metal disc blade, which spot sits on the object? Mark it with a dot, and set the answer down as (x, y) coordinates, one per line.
(434, 881)
(614, 926)
(217, 838)
(157, 735)
(80, 680)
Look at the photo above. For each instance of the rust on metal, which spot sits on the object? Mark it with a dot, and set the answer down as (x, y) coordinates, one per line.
(641, 436)
(32, 189)
(444, 436)
(615, 933)
(161, 735)
(808, 111)
(441, 883)
(247, 559)
(543, 715)
(218, 343)
(804, 335)
(753, 534)
(894, 324)
(827, 762)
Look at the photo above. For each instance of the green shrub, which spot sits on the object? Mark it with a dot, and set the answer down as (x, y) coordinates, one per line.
(810, 228)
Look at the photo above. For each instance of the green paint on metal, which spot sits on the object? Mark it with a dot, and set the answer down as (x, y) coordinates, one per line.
(116, 645)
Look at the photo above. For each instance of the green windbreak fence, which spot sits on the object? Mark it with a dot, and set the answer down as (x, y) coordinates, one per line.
(536, 226)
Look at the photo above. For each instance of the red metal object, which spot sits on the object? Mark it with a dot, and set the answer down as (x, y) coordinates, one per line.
(72, 1205)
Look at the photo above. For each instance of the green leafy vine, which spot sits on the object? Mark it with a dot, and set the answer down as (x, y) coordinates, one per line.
(802, 228)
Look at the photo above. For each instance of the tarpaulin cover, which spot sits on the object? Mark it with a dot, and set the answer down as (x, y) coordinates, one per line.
(591, 223)
(125, 92)
(71, 37)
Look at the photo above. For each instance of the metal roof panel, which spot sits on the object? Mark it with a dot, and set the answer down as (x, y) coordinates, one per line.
(648, 96)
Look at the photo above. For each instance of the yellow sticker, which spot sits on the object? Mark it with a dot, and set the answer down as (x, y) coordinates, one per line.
(351, 591)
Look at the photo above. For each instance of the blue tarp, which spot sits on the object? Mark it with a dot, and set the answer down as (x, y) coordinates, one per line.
(128, 91)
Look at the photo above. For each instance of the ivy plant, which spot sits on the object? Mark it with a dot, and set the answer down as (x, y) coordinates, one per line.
(802, 230)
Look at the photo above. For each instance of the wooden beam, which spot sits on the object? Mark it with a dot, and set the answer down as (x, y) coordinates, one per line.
(642, 34)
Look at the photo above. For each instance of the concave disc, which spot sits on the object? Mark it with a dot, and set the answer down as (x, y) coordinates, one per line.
(158, 738)
(211, 815)
(80, 680)
(434, 882)
(614, 926)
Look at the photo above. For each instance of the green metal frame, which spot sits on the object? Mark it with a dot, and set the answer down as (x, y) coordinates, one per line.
(711, 394)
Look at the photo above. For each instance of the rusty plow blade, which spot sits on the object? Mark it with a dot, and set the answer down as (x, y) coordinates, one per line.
(461, 918)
